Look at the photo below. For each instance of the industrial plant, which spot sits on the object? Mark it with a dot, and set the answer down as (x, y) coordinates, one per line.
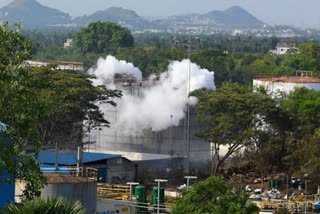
(148, 145)
(210, 111)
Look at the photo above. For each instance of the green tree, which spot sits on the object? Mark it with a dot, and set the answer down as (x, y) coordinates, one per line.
(103, 38)
(302, 141)
(213, 196)
(229, 118)
(70, 99)
(49, 206)
(20, 108)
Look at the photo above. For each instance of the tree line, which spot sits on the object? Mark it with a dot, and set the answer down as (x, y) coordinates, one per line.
(234, 59)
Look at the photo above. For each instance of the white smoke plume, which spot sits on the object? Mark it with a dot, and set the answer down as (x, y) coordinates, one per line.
(108, 67)
(163, 103)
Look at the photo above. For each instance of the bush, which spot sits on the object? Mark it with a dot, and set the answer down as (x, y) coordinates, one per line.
(46, 206)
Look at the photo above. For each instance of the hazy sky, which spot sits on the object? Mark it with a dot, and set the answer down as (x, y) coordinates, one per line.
(293, 12)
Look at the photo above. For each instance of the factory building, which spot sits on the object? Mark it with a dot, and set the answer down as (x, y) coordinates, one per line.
(150, 146)
(111, 168)
(287, 84)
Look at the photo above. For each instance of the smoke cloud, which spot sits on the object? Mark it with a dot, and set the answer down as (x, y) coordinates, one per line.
(160, 104)
(108, 67)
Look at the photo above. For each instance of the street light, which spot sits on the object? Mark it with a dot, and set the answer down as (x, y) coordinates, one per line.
(131, 184)
(190, 178)
(159, 181)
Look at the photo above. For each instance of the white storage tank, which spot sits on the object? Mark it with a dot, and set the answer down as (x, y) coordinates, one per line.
(287, 83)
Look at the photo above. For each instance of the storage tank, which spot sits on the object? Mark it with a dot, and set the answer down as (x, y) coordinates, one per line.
(287, 83)
(72, 188)
(140, 199)
(155, 199)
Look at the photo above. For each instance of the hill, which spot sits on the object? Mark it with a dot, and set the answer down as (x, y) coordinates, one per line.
(234, 20)
(127, 18)
(32, 14)
(235, 16)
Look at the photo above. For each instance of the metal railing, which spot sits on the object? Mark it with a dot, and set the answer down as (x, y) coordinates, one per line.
(87, 172)
(113, 191)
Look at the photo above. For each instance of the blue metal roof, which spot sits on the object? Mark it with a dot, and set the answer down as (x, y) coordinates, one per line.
(70, 158)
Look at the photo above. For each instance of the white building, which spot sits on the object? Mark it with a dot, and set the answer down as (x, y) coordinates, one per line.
(61, 65)
(287, 83)
(282, 48)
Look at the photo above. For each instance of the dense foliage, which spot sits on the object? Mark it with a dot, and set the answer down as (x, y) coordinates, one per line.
(233, 58)
(41, 106)
(229, 118)
(69, 98)
(46, 206)
(20, 109)
(213, 196)
(103, 37)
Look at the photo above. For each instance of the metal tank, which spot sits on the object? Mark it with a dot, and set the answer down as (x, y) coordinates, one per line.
(154, 199)
(140, 200)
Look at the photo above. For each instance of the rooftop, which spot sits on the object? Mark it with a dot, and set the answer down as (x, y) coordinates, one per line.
(292, 79)
(56, 62)
(55, 178)
(70, 158)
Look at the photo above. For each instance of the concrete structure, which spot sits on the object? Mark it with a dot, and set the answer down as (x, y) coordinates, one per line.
(111, 168)
(72, 188)
(287, 83)
(282, 48)
(150, 145)
(61, 65)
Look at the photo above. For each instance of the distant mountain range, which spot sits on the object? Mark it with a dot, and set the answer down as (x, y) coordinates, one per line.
(34, 15)
(234, 20)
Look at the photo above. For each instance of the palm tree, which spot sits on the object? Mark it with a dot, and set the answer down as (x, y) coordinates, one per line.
(46, 206)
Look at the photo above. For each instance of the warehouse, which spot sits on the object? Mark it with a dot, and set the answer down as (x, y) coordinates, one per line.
(111, 168)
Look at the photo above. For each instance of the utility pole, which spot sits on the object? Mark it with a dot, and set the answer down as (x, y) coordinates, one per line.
(159, 181)
(190, 178)
(188, 109)
(56, 154)
(78, 161)
(170, 134)
(130, 197)
(305, 192)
